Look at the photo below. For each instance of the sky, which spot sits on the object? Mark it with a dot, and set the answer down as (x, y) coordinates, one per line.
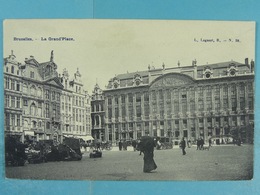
(102, 49)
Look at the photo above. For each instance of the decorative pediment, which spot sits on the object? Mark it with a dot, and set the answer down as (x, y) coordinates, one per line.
(137, 80)
(32, 61)
(207, 73)
(232, 70)
(171, 80)
(54, 82)
(116, 82)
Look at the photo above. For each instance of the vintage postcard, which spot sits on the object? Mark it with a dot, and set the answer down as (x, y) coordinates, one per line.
(129, 100)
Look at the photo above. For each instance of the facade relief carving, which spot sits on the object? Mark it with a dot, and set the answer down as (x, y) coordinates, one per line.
(171, 81)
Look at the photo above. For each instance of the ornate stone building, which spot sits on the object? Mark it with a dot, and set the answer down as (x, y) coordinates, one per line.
(13, 96)
(39, 104)
(98, 114)
(208, 101)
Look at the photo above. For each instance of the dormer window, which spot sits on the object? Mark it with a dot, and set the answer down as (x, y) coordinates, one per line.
(116, 82)
(207, 73)
(232, 70)
(137, 80)
(12, 70)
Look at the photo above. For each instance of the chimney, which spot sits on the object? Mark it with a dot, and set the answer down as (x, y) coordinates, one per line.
(252, 66)
(246, 61)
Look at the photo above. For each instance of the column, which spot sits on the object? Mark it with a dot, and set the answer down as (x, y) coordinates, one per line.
(229, 98)
(157, 104)
(196, 100)
(113, 133)
(238, 96)
(126, 108)
(150, 115)
(172, 102)
(204, 99)
(213, 98)
(221, 97)
(165, 113)
(134, 106)
(142, 107)
(246, 95)
(180, 103)
(113, 109)
(119, 109)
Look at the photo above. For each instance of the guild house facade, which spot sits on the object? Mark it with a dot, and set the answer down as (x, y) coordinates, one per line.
(208, 101)
(41, 104)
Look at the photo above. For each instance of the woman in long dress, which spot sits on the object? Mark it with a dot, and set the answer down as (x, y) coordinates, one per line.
(148, 149)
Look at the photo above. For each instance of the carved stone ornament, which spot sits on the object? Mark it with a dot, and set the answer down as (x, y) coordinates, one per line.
(116, 82)
(137, 80)
(171, 80)
(232, 71)
(207, 73)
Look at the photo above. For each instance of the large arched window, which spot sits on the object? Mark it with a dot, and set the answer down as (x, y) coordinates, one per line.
(34, 124)
(48, 125)
(33, 109)
(33, 90)
(39, 92)
(12, 69)
(97, 120)
(25, 88)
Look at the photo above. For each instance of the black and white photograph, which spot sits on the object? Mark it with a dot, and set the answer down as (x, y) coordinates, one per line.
(129, 100)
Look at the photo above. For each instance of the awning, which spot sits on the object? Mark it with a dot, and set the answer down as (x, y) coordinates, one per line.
(31, 133)
(67, 135)
(86, 137)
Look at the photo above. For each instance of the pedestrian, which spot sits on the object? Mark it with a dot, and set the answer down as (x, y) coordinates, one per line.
(198, 144)
(148, 150)
(202, 144)
(158, 144)
(189, 143)
(134, 145)
(140, 146)
(120, 145)
(124, 145)
(210, 142)
(183, 146)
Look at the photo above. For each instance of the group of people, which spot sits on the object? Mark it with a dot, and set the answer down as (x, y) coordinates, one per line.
(122, 145)
(200, 143)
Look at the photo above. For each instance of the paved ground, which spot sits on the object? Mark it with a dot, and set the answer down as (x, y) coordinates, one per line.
(219, 163)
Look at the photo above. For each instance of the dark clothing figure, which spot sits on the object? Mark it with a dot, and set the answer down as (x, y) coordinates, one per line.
(202, 144)
(183, 146)
(210, 142)
(134, 145)
(125, 145)
(198, 144)
(189, 143)
(120, 145)
(148, 149)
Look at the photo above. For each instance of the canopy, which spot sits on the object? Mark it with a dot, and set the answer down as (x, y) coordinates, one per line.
(86, 137)
(31, 133)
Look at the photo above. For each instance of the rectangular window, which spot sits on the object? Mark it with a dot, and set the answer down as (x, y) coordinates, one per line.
(47, 111)
(7, 119)
(7, 83)
(18, 102)
(242, 103)
(32, 75)
(53, 95)
(18, 121)
(25, 102)
(234, 104)
(12, 119)
(17, 87)
(47, 95)
(250, 103)
(7, 101)
(12, 85)
(13, 102)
